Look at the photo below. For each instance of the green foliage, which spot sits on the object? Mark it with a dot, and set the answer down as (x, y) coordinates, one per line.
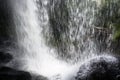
(117, 32)
(109, 14)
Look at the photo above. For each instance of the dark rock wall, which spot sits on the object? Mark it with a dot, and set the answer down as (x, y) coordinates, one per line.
(107, 29)
(59, 21)
(6, 24)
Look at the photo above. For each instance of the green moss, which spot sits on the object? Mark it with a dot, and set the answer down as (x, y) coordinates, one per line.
(116, 34)
(109, 14)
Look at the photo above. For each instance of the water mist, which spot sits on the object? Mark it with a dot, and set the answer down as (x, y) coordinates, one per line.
(36, 56)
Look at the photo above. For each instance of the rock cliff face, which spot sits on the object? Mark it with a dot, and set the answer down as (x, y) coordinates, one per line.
(107, 22)
(59, 21)
(6, 25)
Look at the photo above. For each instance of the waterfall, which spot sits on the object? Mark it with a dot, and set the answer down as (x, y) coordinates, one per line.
(34, 55)
(32, 18)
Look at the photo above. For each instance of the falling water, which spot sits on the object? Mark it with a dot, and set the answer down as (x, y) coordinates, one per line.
(82, 13)
(38, 58)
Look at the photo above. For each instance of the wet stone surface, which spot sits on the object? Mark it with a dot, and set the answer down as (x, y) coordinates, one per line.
(5, 57)
(7, 73)
(101, 69)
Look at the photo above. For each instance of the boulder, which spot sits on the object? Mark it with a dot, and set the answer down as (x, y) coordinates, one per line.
(38, 77)
(100, 68)
(7, 73)
(5, 57)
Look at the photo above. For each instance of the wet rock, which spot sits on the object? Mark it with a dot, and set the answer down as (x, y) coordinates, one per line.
(5, 57)
(6, 24)
(59, 20)
(5, 19)
(101, 68)
(7, 73)
(38, 77)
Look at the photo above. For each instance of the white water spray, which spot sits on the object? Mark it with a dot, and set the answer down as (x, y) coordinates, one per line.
(37, 57)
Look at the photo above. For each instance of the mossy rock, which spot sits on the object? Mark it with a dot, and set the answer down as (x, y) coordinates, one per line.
(116, 35)
(109, 14)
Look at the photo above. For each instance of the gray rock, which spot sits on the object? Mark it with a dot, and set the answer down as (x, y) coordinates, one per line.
(38, 77)
(5, 57)
(100, 69)
(7, 73)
